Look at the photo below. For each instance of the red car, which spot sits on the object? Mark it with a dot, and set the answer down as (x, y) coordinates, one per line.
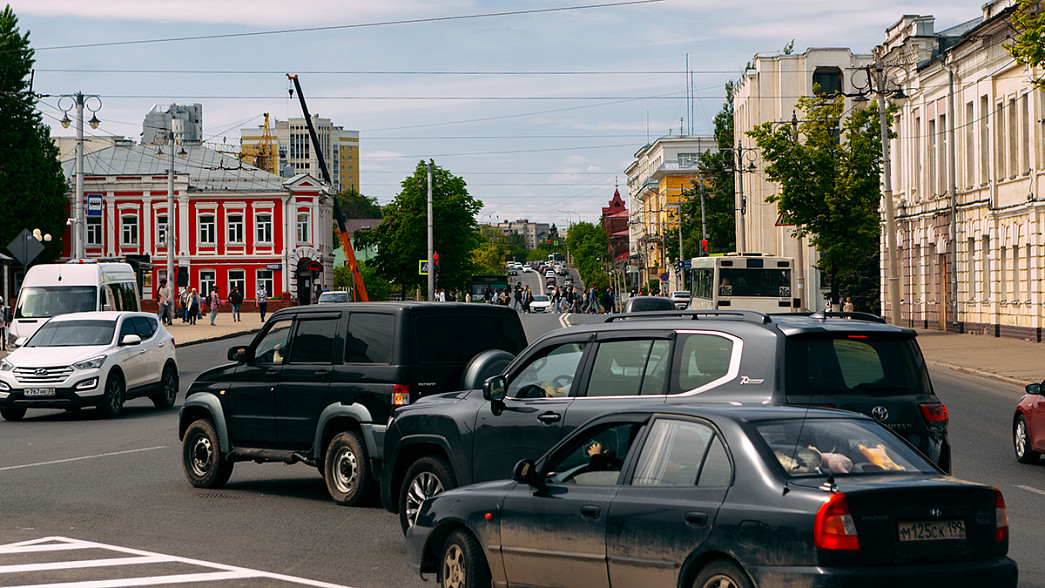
(1028, 425)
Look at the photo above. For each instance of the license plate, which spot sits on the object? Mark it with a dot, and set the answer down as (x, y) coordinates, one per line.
(932, 530)
(36, 392)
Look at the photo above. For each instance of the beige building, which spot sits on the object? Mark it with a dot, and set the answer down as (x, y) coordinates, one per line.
(769, 93)
(657, 179)
(967, 177)
(532, 233)
(296, 155)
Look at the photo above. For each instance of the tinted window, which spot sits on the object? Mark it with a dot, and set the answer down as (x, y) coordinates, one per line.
(314, 341)
(675, 453)
(855, 364)
(629, 368)
(370, 337)
(73, 333)
(127, 328)
(650, 304)
(456, 338)
(272, 347)
(703, 359)
(143, 326)
(594, 458)
(548, 375)
(121, 296)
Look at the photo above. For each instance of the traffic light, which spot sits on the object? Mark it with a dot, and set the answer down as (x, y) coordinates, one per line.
(704, 247)
(435, 260)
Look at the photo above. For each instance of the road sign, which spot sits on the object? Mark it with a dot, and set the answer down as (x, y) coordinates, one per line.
(94, 205)
(422, 267)
(664, 277)
(24, 247)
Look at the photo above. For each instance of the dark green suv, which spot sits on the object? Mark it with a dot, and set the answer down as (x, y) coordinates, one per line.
(318, 384)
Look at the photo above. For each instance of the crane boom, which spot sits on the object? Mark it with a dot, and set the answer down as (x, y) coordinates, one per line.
(340, 224)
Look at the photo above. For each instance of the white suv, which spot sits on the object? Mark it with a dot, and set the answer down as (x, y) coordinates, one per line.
(90, 359)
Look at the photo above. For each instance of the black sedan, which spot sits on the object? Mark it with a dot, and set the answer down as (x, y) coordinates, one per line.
(719, 496)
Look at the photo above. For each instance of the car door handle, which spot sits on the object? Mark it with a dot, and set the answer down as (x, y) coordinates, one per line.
(696, 519)
(321, 373)
(272, 373)
(550, 417)
(590, 511)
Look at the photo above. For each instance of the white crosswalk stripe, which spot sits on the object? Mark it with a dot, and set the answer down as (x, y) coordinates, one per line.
(122, 566)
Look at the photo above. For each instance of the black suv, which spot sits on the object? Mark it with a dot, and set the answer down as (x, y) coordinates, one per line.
(318, 384)
(842, 360)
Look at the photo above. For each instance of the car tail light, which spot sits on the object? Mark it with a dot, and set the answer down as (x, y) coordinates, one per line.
(934, 412)
(835, 528)
(400, 395)
(1001, 519)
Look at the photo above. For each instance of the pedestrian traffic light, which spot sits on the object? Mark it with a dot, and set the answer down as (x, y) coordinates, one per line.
(435, 260)
(703, 246)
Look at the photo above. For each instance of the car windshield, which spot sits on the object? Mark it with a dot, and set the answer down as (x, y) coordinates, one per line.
(45, 302)
(334, 297)
(541, 298)
(855, 364)
(842, 447)
(73, 333)
(651, 303)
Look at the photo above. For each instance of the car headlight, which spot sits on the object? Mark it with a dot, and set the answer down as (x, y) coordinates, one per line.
(90, 364)
(6, 366)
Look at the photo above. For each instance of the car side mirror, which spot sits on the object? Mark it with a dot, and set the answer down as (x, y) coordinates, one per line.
(130, 340)
(239, 353)
(495, 388)
(525, 472)
(107, 307)
(1033, 389)
(21, 341)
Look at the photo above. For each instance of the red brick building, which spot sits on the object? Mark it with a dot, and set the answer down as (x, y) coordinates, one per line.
(615, 222)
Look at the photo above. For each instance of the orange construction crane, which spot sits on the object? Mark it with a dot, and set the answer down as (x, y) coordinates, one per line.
(339, 219)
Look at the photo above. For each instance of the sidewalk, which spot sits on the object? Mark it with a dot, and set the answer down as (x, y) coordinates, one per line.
(1013, 361)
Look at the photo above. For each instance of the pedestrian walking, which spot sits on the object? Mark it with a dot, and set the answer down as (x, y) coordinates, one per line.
(518, 296)
(235, 300)
(214, 301)
(262, 296)
(186, 301)
(847, 306)
(194, 306)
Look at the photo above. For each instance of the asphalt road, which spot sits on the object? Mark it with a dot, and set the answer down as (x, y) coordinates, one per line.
(90, 488)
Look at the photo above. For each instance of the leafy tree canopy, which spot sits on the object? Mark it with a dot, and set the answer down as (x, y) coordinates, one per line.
(32, 185)
(1029, 47)
(402, 237)
(589, 246)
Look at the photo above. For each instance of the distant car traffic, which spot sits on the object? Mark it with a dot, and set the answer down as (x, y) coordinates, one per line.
(84, 359)
(334, 297)
(681, 299)
(719, 496)
(648, 304)
(541, 303)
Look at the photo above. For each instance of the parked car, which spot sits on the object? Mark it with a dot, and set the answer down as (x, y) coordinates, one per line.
(81, 359)
(541, 303)
(681, 299)
(570, 375)
(648, 304)
(334, 297)
(318, 383)
(1028, 425)
(718, 496)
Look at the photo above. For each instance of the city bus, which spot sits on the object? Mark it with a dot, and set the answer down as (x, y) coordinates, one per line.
(744, 282)
(480, 282)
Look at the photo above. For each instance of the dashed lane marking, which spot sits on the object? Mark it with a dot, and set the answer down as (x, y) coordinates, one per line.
(110, 454)
(212, 572)
(1031, 489)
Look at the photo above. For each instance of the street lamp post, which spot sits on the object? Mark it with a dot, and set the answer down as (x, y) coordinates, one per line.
(431, 240)
(79, 100)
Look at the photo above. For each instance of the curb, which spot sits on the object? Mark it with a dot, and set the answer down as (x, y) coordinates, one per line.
(977, 372)
(216, 338)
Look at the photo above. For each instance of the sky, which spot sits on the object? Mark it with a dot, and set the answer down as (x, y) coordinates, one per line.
(539, 105)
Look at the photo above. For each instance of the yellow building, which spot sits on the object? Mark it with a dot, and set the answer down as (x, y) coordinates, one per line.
(296, 155)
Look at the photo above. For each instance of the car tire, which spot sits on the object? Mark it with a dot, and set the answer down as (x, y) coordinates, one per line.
(12, 413)
(346, 469)
(462, 563)
(168, 394)
(201, 457)
(722, 574)
(427, 477)
(1021, 442)
(112, 399)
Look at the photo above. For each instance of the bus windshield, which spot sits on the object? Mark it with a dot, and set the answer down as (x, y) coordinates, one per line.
(45, 302)
(754, 282)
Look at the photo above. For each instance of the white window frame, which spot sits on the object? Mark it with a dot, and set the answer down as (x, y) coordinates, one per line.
(208, 279)
(161, 229)
(234, 229)
(128, 230)
(94, 231)
(206, 229)
(264, 277)
(263, 226)
(303, 222)
(238, 277)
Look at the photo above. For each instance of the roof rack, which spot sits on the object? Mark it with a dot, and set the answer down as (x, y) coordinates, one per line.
(860, 316)
(749, 316)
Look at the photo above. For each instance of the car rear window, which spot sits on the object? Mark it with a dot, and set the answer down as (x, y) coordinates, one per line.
(456, 338)
(369, 338)
(864, 365)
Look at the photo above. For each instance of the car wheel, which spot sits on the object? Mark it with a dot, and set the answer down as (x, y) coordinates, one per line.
(346, 469)
(168, 389)
(112, 400)
(1021, 442)
(427, 477)
(201, 457)
(462, 564)
(722, 574)
(12, 413)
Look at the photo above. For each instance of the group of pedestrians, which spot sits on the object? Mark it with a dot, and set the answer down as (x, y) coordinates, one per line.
(192, 306)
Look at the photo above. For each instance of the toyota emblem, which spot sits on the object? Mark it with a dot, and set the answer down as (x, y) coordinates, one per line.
(880, 413)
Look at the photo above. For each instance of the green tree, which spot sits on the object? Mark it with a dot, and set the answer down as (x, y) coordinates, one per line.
(402, 237)
(719, 206)
(355, 205)
(377, 287)
(589, 244)
(32, 185)
(829, 182)
(1029, 48)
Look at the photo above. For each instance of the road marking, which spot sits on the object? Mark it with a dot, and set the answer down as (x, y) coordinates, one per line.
(216, 572)
(1031, 489)
(563, 320)
(43, 463)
